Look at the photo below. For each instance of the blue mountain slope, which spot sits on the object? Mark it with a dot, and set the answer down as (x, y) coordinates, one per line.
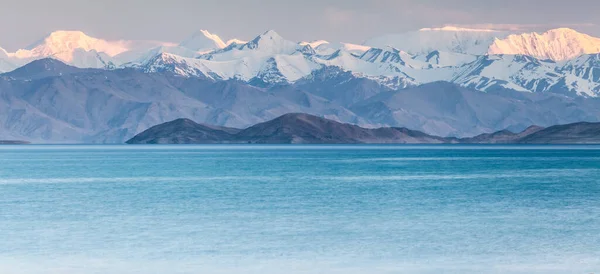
(47, 101)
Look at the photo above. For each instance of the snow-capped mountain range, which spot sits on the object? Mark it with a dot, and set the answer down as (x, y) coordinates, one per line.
(560, 60)
(70, 87)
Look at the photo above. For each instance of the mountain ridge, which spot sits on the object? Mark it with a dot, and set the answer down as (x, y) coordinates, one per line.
(51, 102)
(301, 128)
(557, 44)
(270, 59)
(291, 128)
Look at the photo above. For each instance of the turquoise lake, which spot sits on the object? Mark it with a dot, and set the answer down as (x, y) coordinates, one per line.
(299, 209)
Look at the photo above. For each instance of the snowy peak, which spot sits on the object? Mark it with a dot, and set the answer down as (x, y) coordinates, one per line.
(60, 37)
(72, 47)
(62, 44)
(203, 40)
(271, 35)
(557, 44)
(78, 49)
(562, 32)
(166, 62)
(272, 43)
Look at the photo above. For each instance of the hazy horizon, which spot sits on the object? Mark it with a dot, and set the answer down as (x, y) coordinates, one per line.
(334, 20)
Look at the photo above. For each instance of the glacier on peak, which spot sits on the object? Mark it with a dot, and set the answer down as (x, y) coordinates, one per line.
(62, 44)
(556, 44)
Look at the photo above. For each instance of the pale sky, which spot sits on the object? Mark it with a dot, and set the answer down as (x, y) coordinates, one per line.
(22, 22)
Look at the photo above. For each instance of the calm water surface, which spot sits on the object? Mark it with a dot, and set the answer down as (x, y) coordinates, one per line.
(299, 209)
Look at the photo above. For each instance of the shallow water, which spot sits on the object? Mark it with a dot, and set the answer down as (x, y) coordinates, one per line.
(299, 209)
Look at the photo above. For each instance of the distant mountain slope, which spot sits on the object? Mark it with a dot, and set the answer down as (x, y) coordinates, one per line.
(293, 128)
(50, 102)
(43, 68)
(60, 103)
(12, 142)
(501, 137)
(299, 128)
(446, 109)
(183, 131)
(577, 133)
